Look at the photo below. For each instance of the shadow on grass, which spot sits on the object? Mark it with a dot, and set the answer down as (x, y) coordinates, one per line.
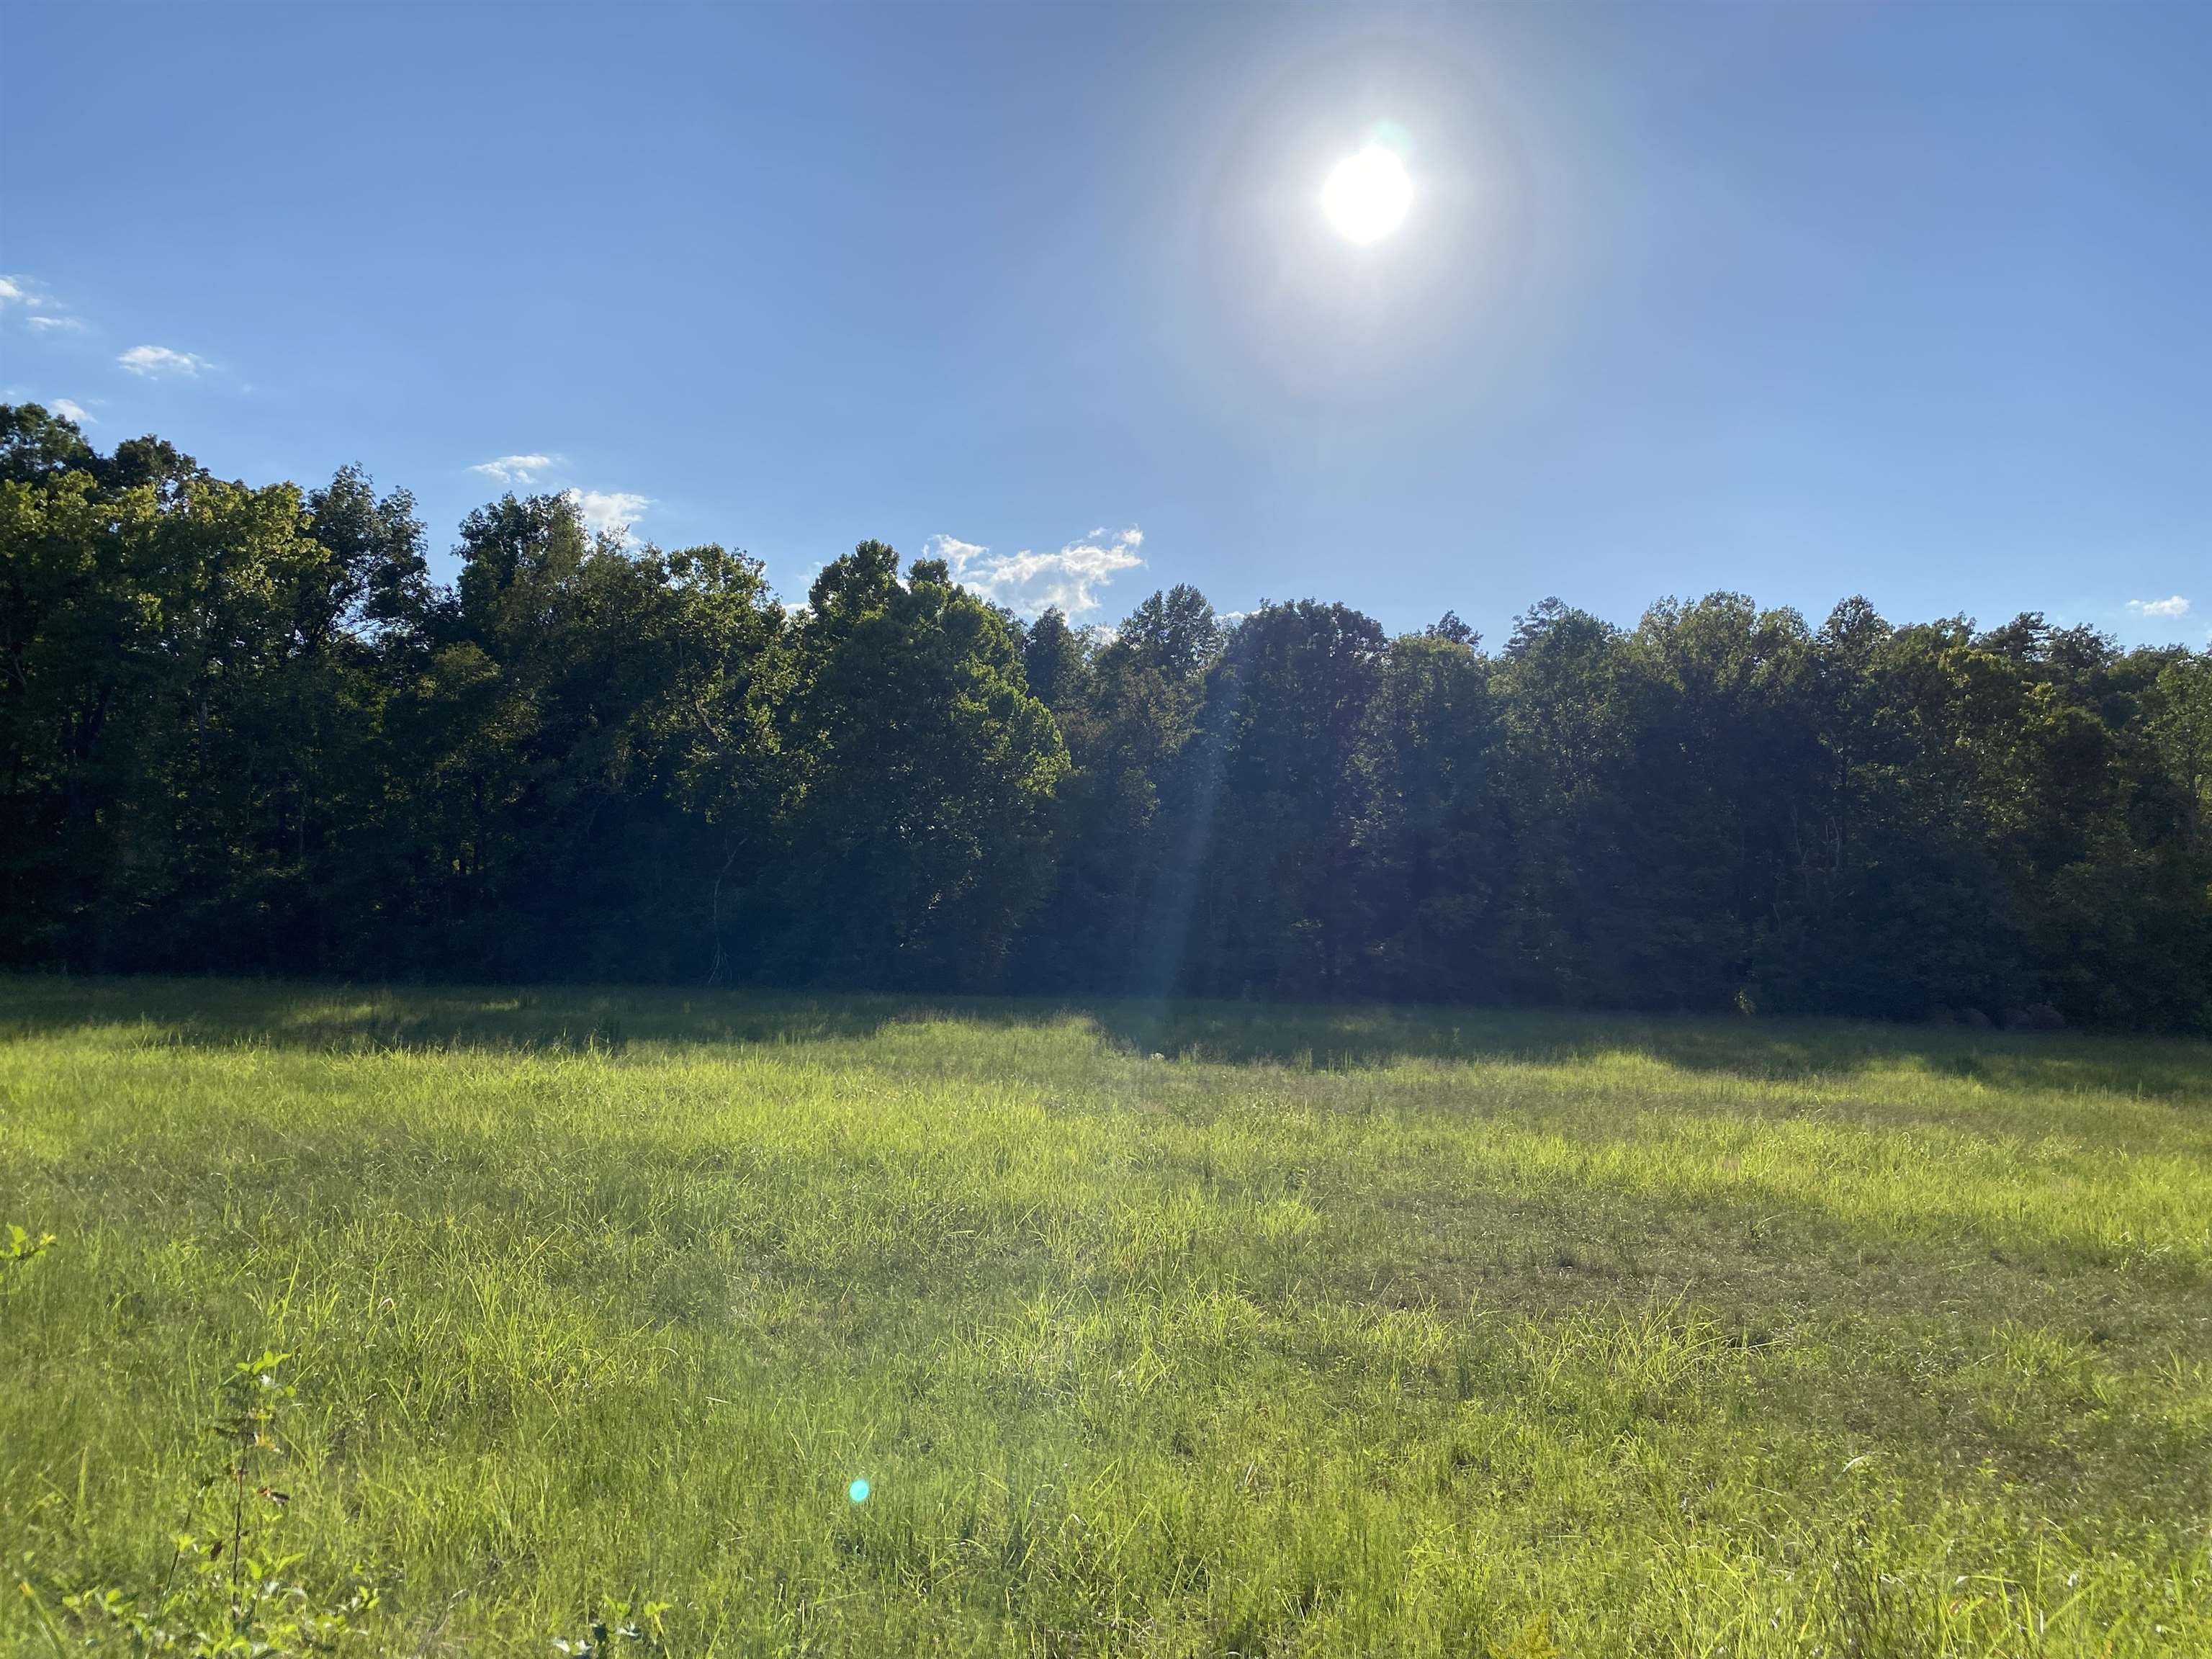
(323, 1015)
(1764, 1049)
(356, 1018)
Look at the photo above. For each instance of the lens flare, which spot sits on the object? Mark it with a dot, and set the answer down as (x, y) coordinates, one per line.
(1367, 195)
(858, 1492)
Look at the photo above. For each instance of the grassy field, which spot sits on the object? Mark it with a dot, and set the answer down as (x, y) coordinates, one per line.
(1199, 1331)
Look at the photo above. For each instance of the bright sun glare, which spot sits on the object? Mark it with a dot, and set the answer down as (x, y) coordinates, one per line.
(1367, 195)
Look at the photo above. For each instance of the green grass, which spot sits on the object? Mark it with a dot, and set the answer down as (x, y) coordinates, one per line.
(1333, 1331)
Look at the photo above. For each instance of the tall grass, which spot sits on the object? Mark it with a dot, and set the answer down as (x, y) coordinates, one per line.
(1154, 1330)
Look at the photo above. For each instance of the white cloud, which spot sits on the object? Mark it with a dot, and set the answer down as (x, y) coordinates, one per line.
(1031, 583)
(955, 552)
(70, 410)
(516, 468)
(2176, 606)
(48, 312)
(614, 510)
(151, 360)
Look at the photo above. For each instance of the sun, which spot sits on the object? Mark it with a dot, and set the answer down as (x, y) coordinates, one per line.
(1367, 195)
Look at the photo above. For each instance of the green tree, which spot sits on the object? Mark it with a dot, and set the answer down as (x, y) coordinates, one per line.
(242, 728)
(1270, 808)
(924, 775)
(1119, 900)
(1434, 837)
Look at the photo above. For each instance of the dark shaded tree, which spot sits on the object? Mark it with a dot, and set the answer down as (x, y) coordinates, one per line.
(245, 729)
(924, 775)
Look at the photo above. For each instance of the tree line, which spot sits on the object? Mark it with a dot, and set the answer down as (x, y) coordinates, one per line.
(242, 729)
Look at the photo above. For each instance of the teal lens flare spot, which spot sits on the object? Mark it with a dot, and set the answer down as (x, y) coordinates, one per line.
(858, 1492)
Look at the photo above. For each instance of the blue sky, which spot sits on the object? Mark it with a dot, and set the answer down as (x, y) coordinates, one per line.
(1800, 300)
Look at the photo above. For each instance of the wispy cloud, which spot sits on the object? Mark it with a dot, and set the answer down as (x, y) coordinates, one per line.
(960, 555)
(70, 410)
(2176, 606)
(610, 510)
(154, 360)
(614, 510)
(517, 468)
(1031, 583)
(48, 314)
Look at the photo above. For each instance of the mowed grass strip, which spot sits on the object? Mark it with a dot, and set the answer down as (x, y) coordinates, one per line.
(1327, 1332)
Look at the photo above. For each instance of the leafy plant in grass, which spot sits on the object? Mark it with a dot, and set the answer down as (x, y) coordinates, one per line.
(228, 1589)
(615, 1631)
(24, 1249)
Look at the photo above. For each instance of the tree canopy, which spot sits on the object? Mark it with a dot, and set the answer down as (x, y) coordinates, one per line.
(243, 729)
